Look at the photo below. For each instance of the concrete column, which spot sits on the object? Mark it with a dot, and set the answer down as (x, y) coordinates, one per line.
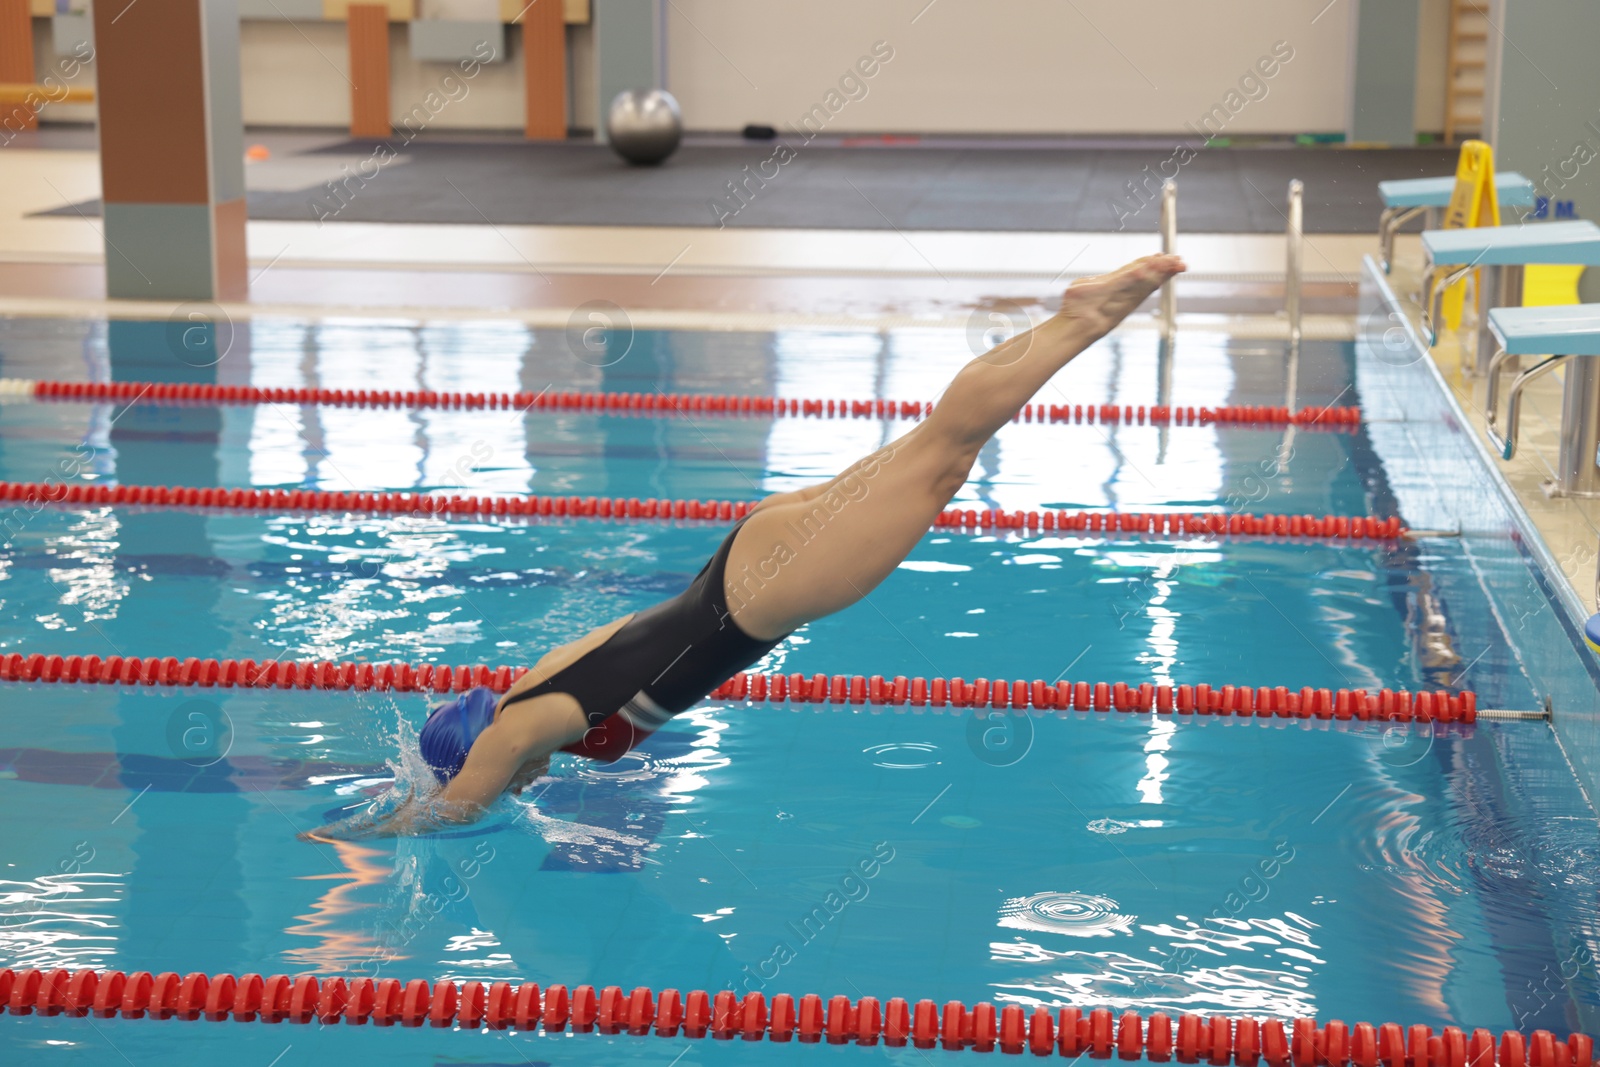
(368, 28)
(171, 150)
(629, 51)
(1383, 69)
(544, 57)
(1542, 100)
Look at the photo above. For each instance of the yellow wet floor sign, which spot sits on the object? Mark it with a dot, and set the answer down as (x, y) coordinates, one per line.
(1472, 204)
(1546, 285)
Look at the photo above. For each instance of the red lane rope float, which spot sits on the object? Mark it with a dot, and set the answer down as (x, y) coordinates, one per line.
(1245, 701)
(1338, 527)
(855, 689)
(680, 404)
(1010, 1029)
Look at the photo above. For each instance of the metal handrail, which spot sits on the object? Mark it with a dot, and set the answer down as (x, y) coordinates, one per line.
(1169, 245)
(1434, 285)
(1389, 223)
(1507, 445)
(1295, 267)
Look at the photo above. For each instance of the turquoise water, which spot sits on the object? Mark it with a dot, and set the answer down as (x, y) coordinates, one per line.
(1280, 869)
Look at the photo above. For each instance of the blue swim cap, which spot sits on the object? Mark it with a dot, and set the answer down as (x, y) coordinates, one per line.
(451, 728)
(1591, 633)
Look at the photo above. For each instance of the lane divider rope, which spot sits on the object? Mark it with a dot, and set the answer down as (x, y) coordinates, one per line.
(754, 688)
(667, 404)
(35, 494)
(896, 1022)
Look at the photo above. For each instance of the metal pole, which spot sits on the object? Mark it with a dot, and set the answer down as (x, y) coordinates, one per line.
(1497, 287)
(1296, 258)
(1577, 474)
(1507, 443)
(1169, 245)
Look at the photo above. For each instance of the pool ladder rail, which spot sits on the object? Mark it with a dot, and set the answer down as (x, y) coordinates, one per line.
(896, 1022)
(1294, 266)
(1294, 259)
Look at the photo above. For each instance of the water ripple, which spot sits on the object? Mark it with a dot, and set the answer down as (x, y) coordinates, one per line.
(1077, 914)
(634, 766)
(903, 755)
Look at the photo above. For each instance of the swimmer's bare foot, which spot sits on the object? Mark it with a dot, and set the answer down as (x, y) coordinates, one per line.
(1104, 300)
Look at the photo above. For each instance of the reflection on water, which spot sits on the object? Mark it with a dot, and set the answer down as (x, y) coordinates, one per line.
(68, 918)
(334, 921)
(1248, 966)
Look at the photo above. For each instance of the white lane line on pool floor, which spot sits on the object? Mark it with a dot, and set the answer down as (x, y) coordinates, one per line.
(931, 803)
(1331, 803)
(1110, 842)
(132, 802)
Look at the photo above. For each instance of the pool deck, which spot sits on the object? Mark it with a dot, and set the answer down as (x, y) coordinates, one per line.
(1570, 527)
(858, 277)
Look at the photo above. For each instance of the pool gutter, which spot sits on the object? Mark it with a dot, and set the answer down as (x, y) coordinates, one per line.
(1540, 613)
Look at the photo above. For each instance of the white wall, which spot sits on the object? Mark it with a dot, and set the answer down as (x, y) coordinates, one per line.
(295, 74)
(583, 109)
(1433, 47)
(1009, 66)
(47, 71)
(963, 66)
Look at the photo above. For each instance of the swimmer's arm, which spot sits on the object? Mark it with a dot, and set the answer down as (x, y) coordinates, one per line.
(496, 757)
(525, 733)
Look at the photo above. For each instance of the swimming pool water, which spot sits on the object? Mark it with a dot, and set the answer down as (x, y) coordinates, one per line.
(1439, 875)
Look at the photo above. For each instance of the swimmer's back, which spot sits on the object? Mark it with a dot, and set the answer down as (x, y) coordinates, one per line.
(554, 662)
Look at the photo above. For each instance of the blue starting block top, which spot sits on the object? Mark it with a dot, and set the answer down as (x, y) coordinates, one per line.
(1572, 243)
(1568, 330)
(1510, 188)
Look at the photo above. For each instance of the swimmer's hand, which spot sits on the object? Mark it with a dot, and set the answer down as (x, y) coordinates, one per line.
(509, 755)
(527, 774)
(414, 815)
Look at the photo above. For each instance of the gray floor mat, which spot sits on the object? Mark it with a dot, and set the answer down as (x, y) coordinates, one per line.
(1223, 189)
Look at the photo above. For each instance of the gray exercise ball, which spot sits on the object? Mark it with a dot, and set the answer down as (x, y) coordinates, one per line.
(644, 126)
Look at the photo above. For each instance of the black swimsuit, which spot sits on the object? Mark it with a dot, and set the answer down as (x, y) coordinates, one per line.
(661, 662)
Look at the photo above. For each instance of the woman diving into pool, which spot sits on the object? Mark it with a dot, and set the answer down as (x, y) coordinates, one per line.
(796, 557)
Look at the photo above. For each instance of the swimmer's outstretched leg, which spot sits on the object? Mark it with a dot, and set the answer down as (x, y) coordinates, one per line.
(806, 554)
